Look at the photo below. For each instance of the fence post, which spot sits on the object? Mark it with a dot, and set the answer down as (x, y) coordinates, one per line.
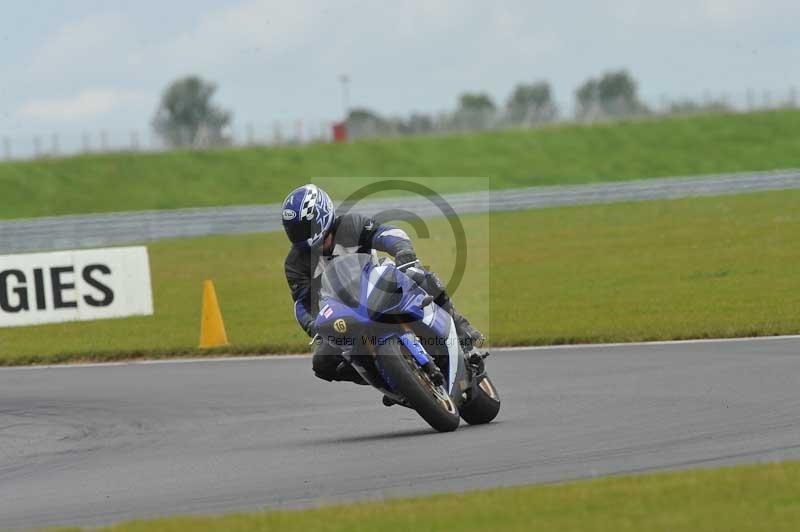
(277, 136)
(750, 100)
(250, 134)
(54, 144)
(134, 141)
(87, 143)
(233, 138)
(7, 148)
(767, 100)
(103, 140)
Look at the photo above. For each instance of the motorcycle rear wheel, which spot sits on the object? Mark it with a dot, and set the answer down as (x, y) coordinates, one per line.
(484, 405)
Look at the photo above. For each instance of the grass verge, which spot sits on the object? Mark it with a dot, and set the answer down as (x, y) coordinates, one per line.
(662, 270)
(735, 499)
(559, 155)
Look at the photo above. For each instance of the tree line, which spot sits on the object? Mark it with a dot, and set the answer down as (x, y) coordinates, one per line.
(612, 95)
(187, 116)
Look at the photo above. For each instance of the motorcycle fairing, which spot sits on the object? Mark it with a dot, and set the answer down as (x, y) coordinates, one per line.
(381, 296)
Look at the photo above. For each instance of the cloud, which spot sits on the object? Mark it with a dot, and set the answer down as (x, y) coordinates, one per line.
(728, 13)
(708, 16)
(89, 103)
(275, 60)
(100, 49)
(77, 43)
(255, 28)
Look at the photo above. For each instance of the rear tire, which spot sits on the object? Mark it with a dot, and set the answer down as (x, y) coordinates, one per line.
(404, 375)
(484, 405)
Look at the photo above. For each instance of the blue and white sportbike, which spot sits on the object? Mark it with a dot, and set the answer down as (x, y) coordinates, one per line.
(402, 343)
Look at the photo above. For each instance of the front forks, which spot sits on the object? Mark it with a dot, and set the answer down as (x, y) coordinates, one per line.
(425, 360)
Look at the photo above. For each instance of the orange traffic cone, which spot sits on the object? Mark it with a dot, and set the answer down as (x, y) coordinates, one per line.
(212, 328)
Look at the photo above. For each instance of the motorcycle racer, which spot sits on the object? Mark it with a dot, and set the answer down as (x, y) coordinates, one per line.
(317, 235)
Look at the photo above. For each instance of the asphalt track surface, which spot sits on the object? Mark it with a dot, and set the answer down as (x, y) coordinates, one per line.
(98, 444)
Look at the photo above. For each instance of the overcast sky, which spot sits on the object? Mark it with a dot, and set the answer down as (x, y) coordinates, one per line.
(80, 65)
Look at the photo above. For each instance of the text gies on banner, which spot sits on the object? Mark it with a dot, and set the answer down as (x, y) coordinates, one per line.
(80, 285)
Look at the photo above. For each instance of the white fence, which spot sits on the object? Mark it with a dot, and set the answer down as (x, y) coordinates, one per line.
(310, 131)
(110, 141)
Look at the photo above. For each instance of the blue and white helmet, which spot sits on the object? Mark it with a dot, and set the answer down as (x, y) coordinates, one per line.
(308, 214)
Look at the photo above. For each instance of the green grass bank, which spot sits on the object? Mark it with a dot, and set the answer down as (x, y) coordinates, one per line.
(736, 499)
(569, 154)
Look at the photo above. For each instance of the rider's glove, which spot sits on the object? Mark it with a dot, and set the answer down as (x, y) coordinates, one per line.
(405, 258)
(310, 328)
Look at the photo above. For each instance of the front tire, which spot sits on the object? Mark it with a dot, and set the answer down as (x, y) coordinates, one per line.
(404, 375)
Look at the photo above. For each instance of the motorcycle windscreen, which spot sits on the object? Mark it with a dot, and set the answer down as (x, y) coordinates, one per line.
(342, 278)
(384, 294)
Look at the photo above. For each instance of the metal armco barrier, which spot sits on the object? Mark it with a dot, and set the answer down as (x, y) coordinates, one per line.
(92, 230)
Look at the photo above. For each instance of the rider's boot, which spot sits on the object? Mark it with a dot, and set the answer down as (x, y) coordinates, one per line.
(468, 335)
(346, 372)
(388, 401)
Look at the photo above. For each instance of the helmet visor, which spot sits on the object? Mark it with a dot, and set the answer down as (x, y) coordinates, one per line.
(299, 231)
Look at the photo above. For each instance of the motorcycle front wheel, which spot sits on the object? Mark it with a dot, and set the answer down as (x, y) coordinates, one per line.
(403, 374)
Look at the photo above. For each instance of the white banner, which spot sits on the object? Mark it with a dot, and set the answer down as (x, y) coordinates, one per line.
(81, 285)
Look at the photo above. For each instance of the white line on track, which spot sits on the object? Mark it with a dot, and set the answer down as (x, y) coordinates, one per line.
(494, 349)
(79, 365)
(645, 344)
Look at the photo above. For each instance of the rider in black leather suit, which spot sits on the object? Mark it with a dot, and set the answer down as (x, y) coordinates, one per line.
(317, 235)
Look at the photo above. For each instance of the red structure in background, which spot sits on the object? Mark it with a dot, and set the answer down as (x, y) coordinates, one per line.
(340, 132)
